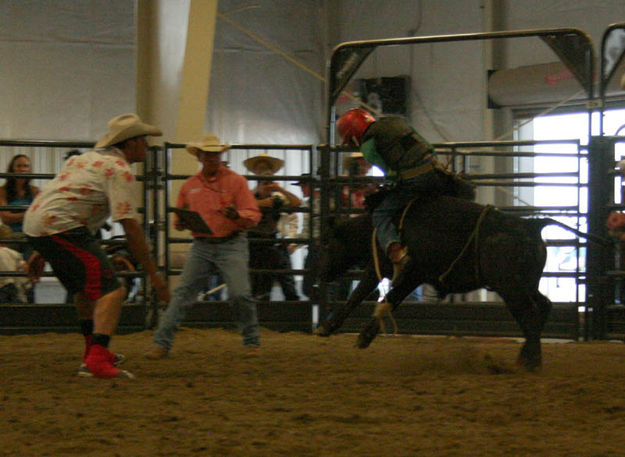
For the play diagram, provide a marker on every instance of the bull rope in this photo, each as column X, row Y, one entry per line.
column 474, row 234
column 384, row 308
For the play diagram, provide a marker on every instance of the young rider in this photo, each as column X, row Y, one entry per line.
column 405, row 157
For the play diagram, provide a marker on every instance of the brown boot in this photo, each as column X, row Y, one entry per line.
column 398, row 255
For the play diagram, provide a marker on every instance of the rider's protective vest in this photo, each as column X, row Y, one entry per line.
column 397, row 144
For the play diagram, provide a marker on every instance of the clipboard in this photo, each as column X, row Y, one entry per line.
column 192, row 220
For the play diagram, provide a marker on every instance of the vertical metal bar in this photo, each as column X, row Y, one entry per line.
column 324, row 195
column 154, row 227
column 600, row 195
column 145, row 191
column 166, row 185
column 311, row 231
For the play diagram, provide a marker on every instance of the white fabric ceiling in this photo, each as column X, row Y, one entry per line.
column 257, row 95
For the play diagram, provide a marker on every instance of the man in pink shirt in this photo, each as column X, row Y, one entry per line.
column 226, row 204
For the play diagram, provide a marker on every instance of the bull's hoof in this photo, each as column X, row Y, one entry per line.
column 530, row 360
column 367, row 335
column 531, row 366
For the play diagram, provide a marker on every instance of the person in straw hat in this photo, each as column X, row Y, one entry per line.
column 355, row 164
column 276, row 205
column 353, row 195
column 224, row 201
column 61, row 224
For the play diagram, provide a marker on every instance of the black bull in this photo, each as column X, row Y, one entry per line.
column 456, row 246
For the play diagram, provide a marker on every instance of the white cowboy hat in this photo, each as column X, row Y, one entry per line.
column 209, row 143
column 126, row 126
column 348, row 159
column 273, row 162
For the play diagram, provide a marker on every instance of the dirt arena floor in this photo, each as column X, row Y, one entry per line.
column 308, row 396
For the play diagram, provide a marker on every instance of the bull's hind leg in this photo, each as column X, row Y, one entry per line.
column 531, row 317
column 544, row 307
column 394, row 298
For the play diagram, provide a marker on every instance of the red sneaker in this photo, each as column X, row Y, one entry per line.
column 100, row 363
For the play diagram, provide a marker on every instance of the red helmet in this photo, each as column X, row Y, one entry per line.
column 352, row 125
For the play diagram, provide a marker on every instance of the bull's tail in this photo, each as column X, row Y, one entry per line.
column 543, row 222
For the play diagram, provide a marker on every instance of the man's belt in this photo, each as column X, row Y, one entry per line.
column 216, row 239
column 414, row 172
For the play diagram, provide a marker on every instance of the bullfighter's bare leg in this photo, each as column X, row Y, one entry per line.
column 84, row 310
column 100, row 360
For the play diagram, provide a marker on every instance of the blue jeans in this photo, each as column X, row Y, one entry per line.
column 231, row 259
column 397, row 199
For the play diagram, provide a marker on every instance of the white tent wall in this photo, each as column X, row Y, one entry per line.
column 448, row 99
column 67, row 67
column 591, row 16
column 257, row 95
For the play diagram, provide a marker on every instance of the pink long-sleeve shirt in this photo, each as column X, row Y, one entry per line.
column 208, row 196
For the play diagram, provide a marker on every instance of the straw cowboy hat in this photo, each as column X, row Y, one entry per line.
column 209, row 143
column 274, row 163
column 124, row 127
column 347, row 160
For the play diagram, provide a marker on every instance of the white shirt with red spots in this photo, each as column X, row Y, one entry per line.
column 90, row 188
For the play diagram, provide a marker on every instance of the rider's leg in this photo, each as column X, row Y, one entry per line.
column 388, row 237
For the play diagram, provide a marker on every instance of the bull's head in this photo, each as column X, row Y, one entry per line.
column 346, row 247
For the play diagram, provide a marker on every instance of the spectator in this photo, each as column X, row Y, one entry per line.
column 12, row 289
column 20, row 193
column 353, row 198
column 311, row 261
column 225, row 202
column 276, row 204
column 61, row 224
column 354, row 194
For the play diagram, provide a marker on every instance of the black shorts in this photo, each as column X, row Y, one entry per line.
column 78, row 261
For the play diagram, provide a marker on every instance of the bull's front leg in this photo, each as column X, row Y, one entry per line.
column 393, row 298
column 366, row 286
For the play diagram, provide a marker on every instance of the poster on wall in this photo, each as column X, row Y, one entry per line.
column 387, row 95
